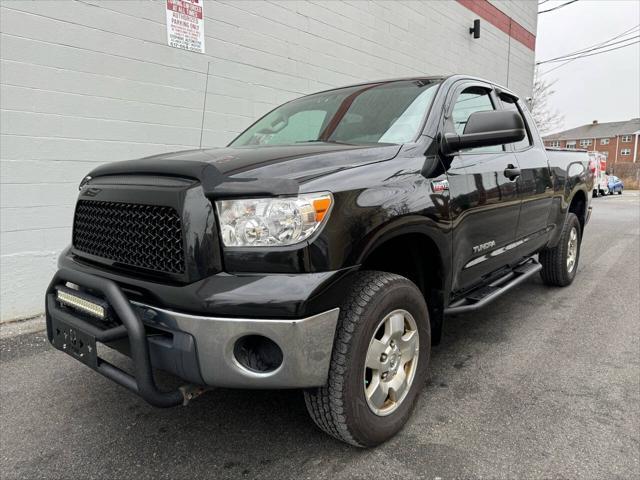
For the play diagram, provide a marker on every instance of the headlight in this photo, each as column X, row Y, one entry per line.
column 266, row 222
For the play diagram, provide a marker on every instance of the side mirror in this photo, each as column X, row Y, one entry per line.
column 485, row 129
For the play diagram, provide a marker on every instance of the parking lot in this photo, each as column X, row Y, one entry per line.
column 545, row 382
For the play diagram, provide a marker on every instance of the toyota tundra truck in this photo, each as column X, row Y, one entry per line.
column 321, row 250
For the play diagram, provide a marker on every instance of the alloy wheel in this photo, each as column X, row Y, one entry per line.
column 572, row 251
column 391, row 362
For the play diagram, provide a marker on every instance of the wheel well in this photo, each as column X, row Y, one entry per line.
column 579, row 207
column 416, row 257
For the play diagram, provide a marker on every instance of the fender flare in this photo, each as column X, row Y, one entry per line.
column 405, row 225
column 398, row 226
column 567, row 199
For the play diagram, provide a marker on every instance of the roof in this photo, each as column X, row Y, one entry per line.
column 598, row 130
column 432, row 78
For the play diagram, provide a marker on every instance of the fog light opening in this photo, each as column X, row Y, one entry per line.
column 257, row 353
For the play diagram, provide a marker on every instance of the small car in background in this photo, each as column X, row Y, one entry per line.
column 615, row 185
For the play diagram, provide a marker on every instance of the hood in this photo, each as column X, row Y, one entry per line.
column 263, row 170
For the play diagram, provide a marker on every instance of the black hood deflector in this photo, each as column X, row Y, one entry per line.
column 241, row 172
column 214, row 183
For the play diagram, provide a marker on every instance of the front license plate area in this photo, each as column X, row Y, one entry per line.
column 80, row 345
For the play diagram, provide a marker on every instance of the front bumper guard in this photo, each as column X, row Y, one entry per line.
column 142, row 381
column 306, row 343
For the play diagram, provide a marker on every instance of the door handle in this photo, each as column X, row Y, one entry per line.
column 511, row 172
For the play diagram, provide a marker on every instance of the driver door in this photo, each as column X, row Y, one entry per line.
column 485, row 205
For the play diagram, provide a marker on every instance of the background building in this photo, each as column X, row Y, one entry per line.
column 93, row 81
column 618, row 140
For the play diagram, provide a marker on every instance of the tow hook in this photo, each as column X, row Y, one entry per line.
column 189, row 392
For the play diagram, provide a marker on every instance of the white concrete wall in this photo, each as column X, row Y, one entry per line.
column 86, row 82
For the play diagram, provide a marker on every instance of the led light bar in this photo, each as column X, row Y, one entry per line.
column 82, row 304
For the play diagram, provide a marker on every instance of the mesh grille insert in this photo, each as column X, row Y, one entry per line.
column 145, row 236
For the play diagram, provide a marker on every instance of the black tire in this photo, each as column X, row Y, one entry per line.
column 554, row 260
column 340, row 408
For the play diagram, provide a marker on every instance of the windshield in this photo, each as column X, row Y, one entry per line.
column 375, row 113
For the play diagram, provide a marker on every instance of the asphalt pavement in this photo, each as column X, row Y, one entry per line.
column 543, row 383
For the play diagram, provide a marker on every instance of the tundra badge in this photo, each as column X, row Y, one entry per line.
column 484, row 246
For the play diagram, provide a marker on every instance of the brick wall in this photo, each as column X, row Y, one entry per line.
column 632, row 144
column 613, row 149
column 86, row 82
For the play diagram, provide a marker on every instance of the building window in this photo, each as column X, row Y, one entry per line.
column 554, row 144
column 626, row 138
column 625, row 151
column 571, row 144
column 604, row 141
column 585, row 143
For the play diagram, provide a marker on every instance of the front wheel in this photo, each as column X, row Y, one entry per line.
column 379, row 362
column 560, row 264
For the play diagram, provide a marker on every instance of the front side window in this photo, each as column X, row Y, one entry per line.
column 470, row 100
column 391, row 112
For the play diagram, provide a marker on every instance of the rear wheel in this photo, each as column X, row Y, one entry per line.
column 559, row 264
column 379, row 362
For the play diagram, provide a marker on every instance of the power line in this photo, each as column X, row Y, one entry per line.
column 601, row 44
column 555, row 68
column 556, row 8
column 580, row 52
column 589, row 55
column 609, row 50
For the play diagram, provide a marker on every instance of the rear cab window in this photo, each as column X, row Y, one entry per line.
column 511, row 103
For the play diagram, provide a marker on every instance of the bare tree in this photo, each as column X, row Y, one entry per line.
column 547, row 119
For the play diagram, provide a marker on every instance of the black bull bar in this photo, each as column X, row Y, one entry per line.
column 85, row 335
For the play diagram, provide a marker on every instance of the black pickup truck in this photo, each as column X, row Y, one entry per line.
column 321, row 250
